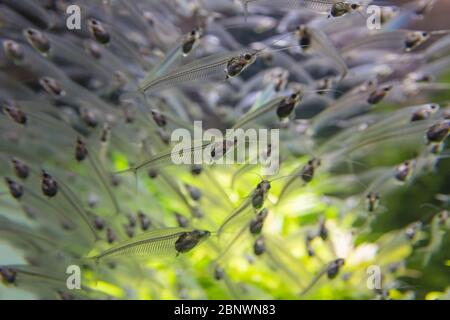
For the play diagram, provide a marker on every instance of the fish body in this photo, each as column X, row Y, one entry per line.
column 157, row 242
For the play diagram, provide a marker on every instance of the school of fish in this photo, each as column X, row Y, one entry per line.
column 85, row 148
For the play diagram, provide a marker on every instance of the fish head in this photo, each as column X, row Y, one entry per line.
column 191, row 41
column 239, row 63
column 354, row 6
column 37, row 40
column 201, row 234
column 13, row 50
column 415, row 38
column 259, row 247
column 248, row 58
column 264, row 186
column 296, row 96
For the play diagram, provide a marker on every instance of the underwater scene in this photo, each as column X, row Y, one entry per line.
column 224, row 149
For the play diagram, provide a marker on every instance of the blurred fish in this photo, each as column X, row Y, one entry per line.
column 336, row 91
column 334, row 8
column 315, row 39
column 255, row 199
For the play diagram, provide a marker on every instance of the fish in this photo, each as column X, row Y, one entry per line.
column 311, row 38
column 155, row 243
column 361, row 114
column 331, row 270
column 218, row 67
column 333, row 8
column 255, row 200
column 176, row 55
column 394, row 41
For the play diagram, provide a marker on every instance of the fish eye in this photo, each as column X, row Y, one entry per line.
column 202, row 233
column 247, row 56
column 354, row 6
column 424, row 34
column 293, row 96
